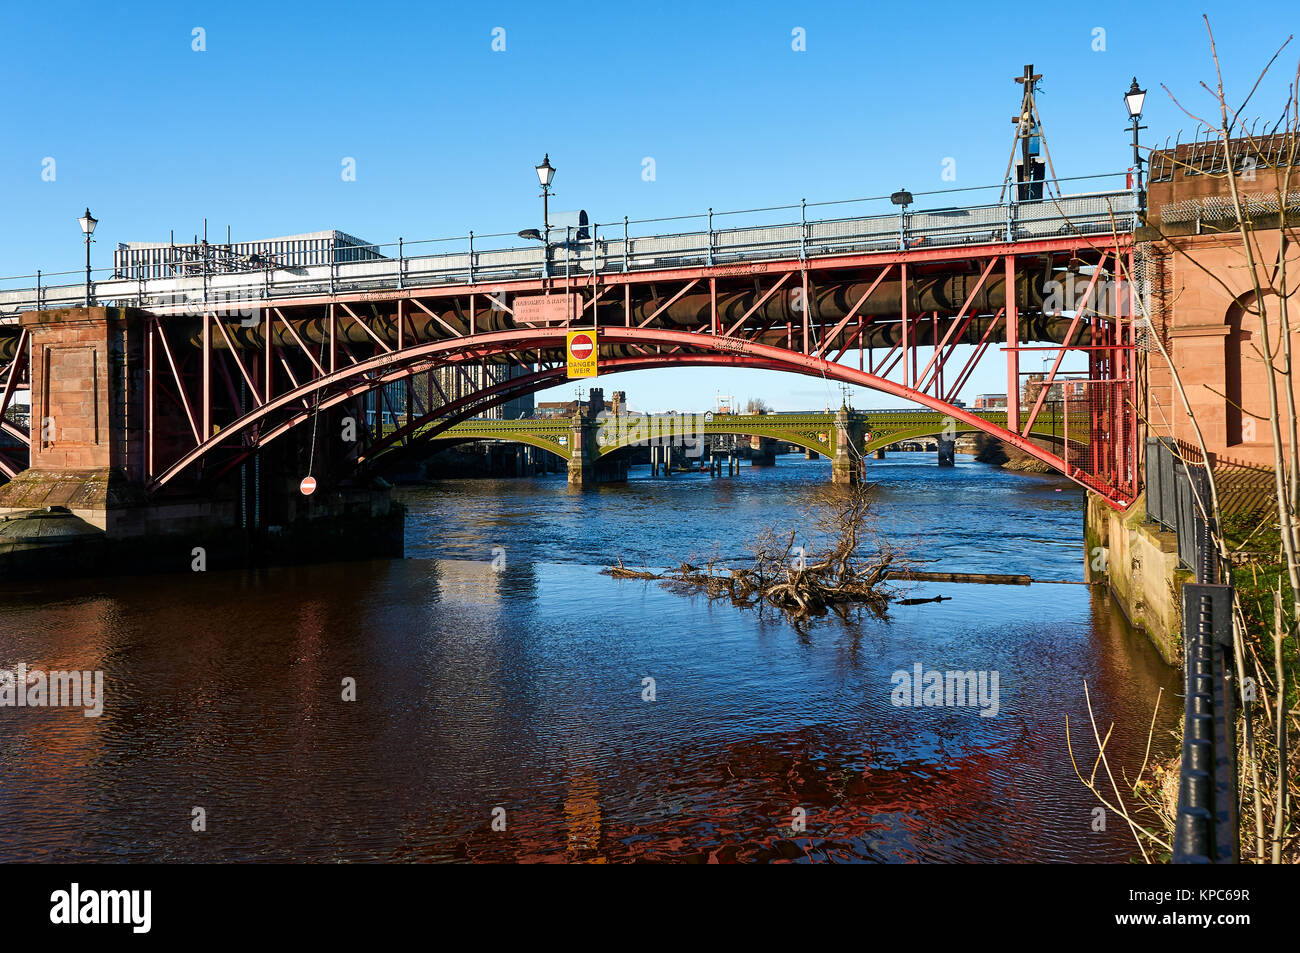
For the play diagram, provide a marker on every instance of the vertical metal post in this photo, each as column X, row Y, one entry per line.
column 205, row 274
column 207, row 376
column 713, row 306
column 88, row 270
column 710, row 254
column 938, row 362
column 269, row 370
column 902, row 284
column 803, row 229
column 1013, row 347
column 625, row 244
column 471, row 256
column 401, row 261
column 243, row 469
column 333, row 336
column 803, row 304
column 38, row 290
column 1134, row 394
column 149, row 397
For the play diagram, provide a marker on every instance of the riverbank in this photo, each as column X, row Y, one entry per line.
column 1138, row 561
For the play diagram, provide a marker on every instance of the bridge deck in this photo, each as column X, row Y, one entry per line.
column 609, row 250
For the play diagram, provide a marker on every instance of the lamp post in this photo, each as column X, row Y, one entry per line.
column 88, row 223
column 545, row 175
column 903, row 199
column 1133, row 100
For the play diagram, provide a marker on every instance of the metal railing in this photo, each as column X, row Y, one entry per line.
column 613, row 247
column 1178, row 498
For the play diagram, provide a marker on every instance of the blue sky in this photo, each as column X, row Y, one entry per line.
column 445, row 131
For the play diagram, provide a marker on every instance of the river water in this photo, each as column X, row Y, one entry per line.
column 515, row 695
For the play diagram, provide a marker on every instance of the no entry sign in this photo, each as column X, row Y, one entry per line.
column 582, row 353
column 307, row 486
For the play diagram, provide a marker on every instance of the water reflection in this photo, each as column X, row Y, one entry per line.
column 521, row 689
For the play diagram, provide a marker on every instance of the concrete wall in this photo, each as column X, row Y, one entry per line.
column 1139, row 563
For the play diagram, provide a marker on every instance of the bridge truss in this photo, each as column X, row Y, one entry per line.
column 217, row 388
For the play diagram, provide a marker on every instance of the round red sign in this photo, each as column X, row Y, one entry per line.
column 581, row 347
column 307, row 486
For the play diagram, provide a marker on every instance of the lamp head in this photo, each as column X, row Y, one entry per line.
column 545, row 171
column 1134, row 98
column 88, row 223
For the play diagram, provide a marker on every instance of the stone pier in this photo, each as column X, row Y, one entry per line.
column 762, row 451
column 89, row 469
column 850, row 437
column 586, row 466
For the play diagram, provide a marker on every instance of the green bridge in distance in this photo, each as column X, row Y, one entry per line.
column 594, row 447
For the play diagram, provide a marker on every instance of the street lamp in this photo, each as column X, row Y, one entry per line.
column 1133, row 100
column 88, row 223
column 903, row 199
column 545, row 175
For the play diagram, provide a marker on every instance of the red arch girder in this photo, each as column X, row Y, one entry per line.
column 465, row 407
column 343, row 384
column 302, row 415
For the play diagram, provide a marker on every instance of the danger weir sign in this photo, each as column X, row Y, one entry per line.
column 582, row 353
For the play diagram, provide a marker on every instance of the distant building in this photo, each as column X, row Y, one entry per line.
column 1034, row 384
column 457, row 381
column 991, row 402
column 1059, row 391
column 556, row 408
column 594, row 404
column 168, row 259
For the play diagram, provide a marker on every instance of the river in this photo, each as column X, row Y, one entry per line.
column 503, row 690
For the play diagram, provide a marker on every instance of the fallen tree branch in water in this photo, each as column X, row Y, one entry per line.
column 789, row 577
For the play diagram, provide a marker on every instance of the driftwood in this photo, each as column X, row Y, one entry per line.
column 919, row 602
column 802, row 584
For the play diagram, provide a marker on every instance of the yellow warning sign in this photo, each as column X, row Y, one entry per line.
column 582, row 353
